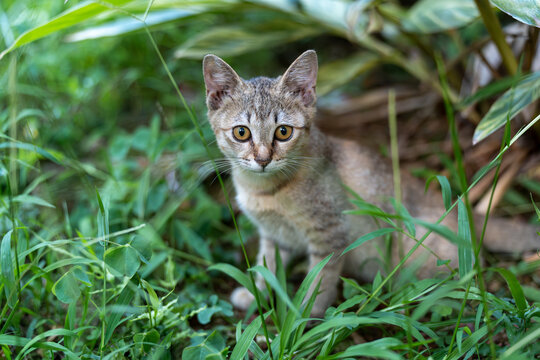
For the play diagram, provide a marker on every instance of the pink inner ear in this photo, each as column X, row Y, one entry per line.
column 214, row 98
column 308, row 96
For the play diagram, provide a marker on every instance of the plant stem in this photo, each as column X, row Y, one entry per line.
column 493, row 26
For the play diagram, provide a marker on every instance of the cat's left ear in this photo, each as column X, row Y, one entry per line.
column 220, row 79
column 301, row 77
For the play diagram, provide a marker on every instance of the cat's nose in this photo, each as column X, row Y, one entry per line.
column 263, row 161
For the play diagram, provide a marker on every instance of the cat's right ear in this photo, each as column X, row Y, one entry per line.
column 220, row 80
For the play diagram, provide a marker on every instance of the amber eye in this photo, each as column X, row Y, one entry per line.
column 241, row 133
column 283, row 133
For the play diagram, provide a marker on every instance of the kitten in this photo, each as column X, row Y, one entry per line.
column 289, row 179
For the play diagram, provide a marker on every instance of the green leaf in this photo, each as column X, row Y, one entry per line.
column 48, row 154
column 237, row 40
column 367, row 237
column 471, row 341
column 428, row 16
column 150, row 338
column 508, row 106
column 270, row 278
column 8, row 271
column 242, row 345
column 154, row 299
column 37, row 343
column 213, row 345
column 379, row 348
column 29, row 199
column 125, row 297
column 347, row 17
column 236, row 274
column 73, row 16
column 515, row 289
column 526, row 11
column 215, row 306
column 493, row 88
column 445, row 188
column 66, row 288
column 334, row 323
column 124, row 260
column 334, row 74
column 465, row 253
column 128, row 25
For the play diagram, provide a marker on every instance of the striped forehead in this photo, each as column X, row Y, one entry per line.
column 260, row 99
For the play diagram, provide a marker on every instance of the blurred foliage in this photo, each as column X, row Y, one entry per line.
column 110, row 218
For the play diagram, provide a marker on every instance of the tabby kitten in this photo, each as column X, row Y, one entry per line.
column 289, row 178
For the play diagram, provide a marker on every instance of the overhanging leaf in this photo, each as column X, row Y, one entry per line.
column 526, row 11
column 428, row 16
column 336, row 73
column 29, row 199
column 68, row 18
column 509, row 105
column 236, row 40
column 128, row 24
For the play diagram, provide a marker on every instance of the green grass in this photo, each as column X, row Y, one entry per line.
column 116, row 245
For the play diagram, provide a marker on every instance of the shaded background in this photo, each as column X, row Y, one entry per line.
column 91, row 108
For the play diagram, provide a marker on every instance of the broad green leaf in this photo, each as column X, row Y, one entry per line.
column 508, row 106
column 68, row 18
column 347, row 17
column 127, row 25
column 515, row 289
column 66, row 288
column 123, row 259
column 334, row 74
column 237, row 40
column 428, row 16
column 8, row 271
column 366, row 237
column 29, row 199
column 212, row 347
column 465, row 253
column 526, row 11
column 493, row 88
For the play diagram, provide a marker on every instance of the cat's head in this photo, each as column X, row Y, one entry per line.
column 262, row 125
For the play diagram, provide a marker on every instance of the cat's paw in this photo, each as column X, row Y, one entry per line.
column 241, row 298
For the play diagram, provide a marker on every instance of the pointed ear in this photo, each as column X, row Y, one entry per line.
column 301, row 77
column 220, row 80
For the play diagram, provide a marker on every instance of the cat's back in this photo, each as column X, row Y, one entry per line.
column 362, row 169
column 370, row 175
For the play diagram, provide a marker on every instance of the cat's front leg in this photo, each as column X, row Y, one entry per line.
column 241, row 298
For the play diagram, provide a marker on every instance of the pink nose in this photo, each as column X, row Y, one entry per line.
column 263, row 161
